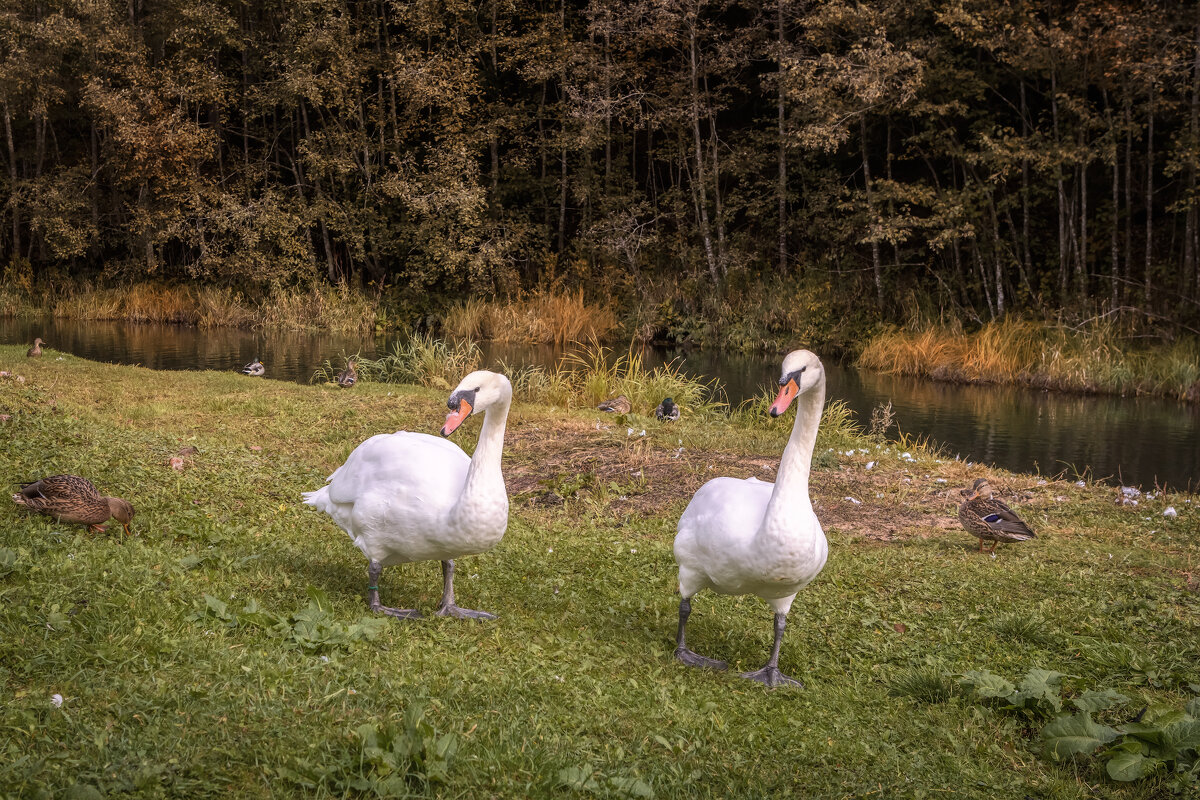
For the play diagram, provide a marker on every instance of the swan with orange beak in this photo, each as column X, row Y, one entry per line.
column 407, row 496
column 750, row 537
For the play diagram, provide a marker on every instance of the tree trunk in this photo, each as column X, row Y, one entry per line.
column 12, row 177
column 698, row 153
column 1149, row 278
column 1060, row 185
column 866, row 162
column 781, row 187
column 1128, row 271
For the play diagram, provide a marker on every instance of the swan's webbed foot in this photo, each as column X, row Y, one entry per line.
column 451, row 610
column 696, row 660
column 374, row 569
column 398, row 613
column 771, row 677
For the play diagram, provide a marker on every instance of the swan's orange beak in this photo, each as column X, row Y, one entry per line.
column 455, row 418
column 786, row 395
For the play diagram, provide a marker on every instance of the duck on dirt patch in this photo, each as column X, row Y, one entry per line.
column 70, row 498
column 989, row 519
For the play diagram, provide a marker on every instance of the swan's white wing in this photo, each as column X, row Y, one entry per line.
column 716, row 531
column 394, row 494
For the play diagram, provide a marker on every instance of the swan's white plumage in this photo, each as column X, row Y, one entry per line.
column 408, row 496
column 752, row 537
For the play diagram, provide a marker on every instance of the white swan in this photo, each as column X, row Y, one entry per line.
column 749, row 537
column 414, row 497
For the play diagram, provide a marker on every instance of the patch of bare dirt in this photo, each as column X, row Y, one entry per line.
column 545, row 461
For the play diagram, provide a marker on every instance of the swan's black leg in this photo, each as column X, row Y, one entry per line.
column 447, row 607
column 770, row 674
column 374, row 569
column 681, row 651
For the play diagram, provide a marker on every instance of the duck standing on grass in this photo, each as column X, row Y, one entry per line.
column 36, row 350
column 618, row 405
column 406, row 496
column 254, row 368
column 70, row 498
column 347, row 377
column 989, row 519
column 667, row 411
column 750, row 537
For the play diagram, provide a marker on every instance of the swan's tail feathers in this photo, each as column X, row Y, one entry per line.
column 318, row 499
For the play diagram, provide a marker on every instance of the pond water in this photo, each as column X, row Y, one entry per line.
column 1139, row 441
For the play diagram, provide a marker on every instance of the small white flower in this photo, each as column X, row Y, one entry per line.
column 870, row 465
column 939, row 480
column 629, row 431
column 325, row 659
column 1080, row 484
column 1171, row 513
column 549, row 549
column 633, row 549
column 56, row 700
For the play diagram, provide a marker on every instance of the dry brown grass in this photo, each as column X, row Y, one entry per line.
column 540, row 318
column 1094, row 358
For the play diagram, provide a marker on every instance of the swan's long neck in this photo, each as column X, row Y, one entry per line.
column 484, row 481
column 789, row 500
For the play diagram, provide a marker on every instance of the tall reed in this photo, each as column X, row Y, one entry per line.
column 539, row 318
column 1096, row 358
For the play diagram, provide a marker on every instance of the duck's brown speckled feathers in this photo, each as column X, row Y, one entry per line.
column 989, row 519
column 36, row 350
column 618, row 405
column 347, row 377
column 70, row 498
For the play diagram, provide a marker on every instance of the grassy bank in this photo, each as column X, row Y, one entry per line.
column 337, row 309
column 225, row 650
column 1097, row 358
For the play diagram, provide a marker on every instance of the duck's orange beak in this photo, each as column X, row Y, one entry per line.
column 455, row 418
column 786, row 395
column 128, row 530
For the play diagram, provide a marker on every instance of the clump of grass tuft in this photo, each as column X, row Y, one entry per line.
column 596, row 374
column 422, row 360
column 1097, row 358
column 540, row 318
column 924, row 684
column 1022, row 627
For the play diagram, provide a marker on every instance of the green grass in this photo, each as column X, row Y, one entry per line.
column 573, row 692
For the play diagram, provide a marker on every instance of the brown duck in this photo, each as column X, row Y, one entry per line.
column 36, row 350
column 70, row 498
column 347, row 377
column 618, row 405
column 989, row 519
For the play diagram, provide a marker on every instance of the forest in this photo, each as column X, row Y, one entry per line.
column 684, row 158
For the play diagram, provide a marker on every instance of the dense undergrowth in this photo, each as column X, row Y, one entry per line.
column 225, row 649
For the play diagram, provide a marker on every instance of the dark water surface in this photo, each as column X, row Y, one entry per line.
column 1135, row 440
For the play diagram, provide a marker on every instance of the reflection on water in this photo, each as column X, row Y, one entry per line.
column 1137, row 440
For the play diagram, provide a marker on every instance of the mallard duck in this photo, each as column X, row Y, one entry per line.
column 407, row 496
column 989, row 519
column 751, row 537
column 36, row 350
column 70, row 498
column 255, row 368
column 347, row 377
column 618, row 405
column 667, row 411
